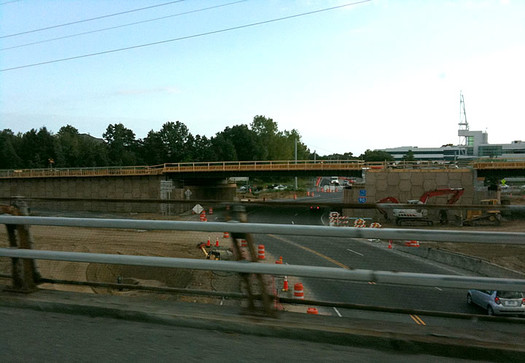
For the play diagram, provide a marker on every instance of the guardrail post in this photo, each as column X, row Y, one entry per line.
column 259, row 283
column 24, row 271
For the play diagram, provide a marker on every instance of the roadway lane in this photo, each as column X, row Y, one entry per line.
column 356, row 254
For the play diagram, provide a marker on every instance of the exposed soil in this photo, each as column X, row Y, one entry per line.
column 129, row 242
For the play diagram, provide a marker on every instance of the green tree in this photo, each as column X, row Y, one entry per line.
column 152, row 149
column 409, row 156
column 121, row 144
column 336, row 156
column 275, row 144
column 92, row 151
column 223, row 148
column 266, row 131
column 199, row 148
column 67, row 147
column 244, row 141
column 29, row 150
column 376, row 155
column 174, row 137
column 9, row 158
column 293, row 136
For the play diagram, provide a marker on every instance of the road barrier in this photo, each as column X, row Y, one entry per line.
column 285, row 284
column 298, row 291
column 387, row 277
column 260, row 252
column 312, row 311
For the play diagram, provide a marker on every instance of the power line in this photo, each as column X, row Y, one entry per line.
column 123, row 25
column 185, row 37
column 9, row 2
column 89, row 19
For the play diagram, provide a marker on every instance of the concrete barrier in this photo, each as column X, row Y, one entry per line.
column 466, row 262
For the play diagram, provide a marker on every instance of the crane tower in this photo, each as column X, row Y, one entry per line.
column 463, row 123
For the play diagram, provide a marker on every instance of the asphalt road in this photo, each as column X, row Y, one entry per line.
column 363, row 254
column 37, row 336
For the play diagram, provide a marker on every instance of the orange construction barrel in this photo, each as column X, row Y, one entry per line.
column 298, row 291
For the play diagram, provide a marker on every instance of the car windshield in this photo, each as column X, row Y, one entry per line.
column 510, row 294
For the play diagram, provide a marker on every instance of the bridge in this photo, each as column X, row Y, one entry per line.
column 225, row 169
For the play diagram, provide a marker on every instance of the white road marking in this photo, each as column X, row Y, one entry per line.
column 357, row 253
column 438, row 288
column 338, row 313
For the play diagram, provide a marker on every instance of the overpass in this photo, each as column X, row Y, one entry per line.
column 225, row 169
column 209, row 180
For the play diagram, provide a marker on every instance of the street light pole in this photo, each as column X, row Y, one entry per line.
column 295, row 161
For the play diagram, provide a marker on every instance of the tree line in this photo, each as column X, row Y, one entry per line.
column 173, row 143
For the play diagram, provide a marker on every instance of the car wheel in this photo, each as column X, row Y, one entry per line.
column 469, row 299
column 490, row 311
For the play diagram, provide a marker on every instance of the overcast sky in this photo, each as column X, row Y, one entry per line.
column 372, row 75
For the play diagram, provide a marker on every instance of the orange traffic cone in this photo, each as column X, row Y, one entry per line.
column 285, row 284
column 260, row 252
column 217, row 242
column 226, row 235
column 208, row 244
column 390, row 244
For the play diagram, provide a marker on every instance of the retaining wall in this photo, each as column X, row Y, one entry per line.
column 407, row 185
column 118, row 187
column 465, row 262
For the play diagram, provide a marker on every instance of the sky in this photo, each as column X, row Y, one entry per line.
column 370, row 75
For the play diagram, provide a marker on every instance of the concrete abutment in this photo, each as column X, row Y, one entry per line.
column 104, row 189
column 407, row 185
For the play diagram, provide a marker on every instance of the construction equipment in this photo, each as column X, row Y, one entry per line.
column 212, row 255
column 485, row 216
column 420, row 215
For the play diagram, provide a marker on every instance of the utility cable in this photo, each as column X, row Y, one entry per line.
column 90, row 19
column 123, row 25
column 9, row 2
column 185, row 37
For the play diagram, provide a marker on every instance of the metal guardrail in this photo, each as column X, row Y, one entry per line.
column 387, row 277
column 401, row 278
column 250, row 166
column 517, row 238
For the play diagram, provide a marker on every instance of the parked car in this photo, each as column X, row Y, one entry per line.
column 498, row 302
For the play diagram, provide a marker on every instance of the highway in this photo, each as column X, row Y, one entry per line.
column 354, row 253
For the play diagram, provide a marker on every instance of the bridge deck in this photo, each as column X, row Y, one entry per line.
column 252, row 166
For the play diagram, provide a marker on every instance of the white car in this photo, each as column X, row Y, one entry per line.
column 498, row 302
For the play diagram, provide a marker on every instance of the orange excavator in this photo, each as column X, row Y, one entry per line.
column 421, row 215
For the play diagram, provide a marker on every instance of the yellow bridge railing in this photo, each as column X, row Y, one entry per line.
column 251, row 166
